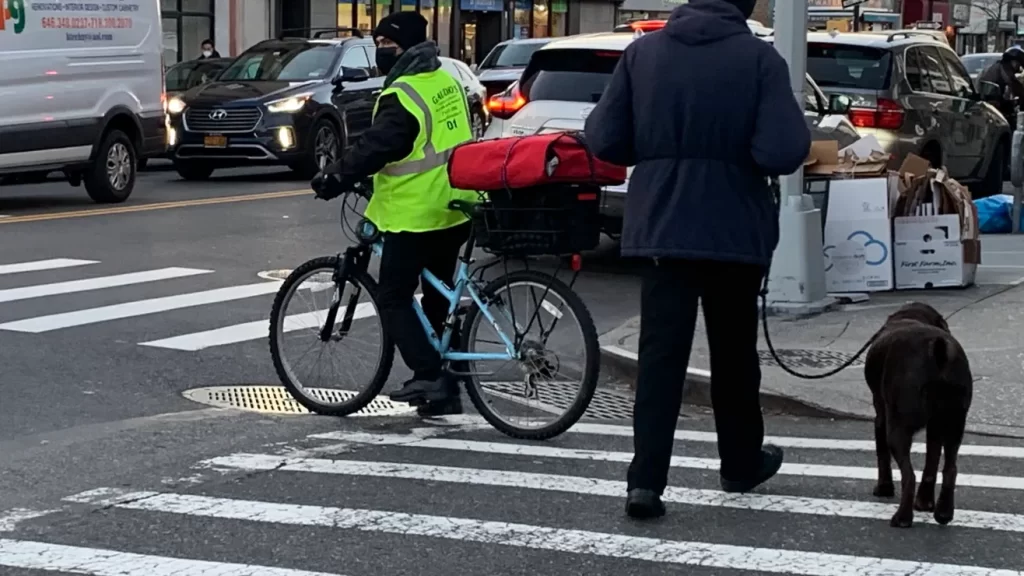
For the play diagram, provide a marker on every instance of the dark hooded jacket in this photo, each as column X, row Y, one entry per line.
column 393, row 133
column 705, row 112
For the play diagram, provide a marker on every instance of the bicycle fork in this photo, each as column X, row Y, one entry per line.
column 355, row 258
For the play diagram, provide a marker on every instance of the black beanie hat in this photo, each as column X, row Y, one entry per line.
column 406, row 29
column 746, row 6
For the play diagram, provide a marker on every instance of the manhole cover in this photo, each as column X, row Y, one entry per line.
column 277, row 400
column 815, row 359
column 560, row 395
column 274, row 274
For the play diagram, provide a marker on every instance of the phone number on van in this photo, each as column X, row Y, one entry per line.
column 86, row 22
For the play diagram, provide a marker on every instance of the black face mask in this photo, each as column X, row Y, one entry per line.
column 386, row 58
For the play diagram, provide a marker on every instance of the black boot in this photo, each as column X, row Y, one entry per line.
column 450, row 406
column 643, row 504
column 771, row 461
column 421, row 391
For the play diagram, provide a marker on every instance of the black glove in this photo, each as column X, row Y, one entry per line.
column 326, row 186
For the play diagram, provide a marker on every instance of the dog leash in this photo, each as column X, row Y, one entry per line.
column 777, row 195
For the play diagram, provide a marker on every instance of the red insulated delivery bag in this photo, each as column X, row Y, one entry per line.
column 529, row 161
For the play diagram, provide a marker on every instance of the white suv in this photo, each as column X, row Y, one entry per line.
column 564, row 81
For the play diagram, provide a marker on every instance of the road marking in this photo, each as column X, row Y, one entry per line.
column 73, row 286
column 253, row 330
column 99, row 562
column 600, row 487
column 139, row 308
column 630, row 355
column 475, row 422
column 813, row 470
column 9, row 519
column 155, row 206
column 582, row 542
column 52, row 264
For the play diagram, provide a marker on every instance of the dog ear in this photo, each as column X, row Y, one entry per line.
column 940, row 352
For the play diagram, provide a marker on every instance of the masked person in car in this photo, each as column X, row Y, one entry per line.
column 705, row 111
column 1004, row 75
column 420, row 115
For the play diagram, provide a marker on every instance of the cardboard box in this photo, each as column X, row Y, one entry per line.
column 935, row 251
column 825, row 158
column 858, row 236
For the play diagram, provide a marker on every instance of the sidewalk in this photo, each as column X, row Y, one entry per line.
column 989, row 325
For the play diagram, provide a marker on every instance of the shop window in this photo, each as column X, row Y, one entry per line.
column 559, row 18
column 444, row 23
column 186, row 23
column 381, row 9
column 540, row 18
column 427, row 10
column 408, row 5
column 522, row 10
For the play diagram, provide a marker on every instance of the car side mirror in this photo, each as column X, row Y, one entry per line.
column 351, row 75
column 839, row 104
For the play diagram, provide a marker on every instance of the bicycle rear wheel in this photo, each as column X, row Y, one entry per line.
column 530, row 307
column 297, row 321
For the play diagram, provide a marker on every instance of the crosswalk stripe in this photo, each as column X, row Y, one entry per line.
column 70, row 287
column 40, row 265
column 139, row 308
column 815, row 470
column 583, row 542
column 470, row 422
column 10, row 518
column 98, row 562
column 600, row 487
column 252, row 330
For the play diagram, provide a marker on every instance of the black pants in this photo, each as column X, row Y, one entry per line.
column 405, row 256
column 668, row 311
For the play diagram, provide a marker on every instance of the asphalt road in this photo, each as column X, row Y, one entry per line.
column 93, row 424
column 401, row 496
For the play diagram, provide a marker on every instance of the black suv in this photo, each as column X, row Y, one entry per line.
column 296, row 102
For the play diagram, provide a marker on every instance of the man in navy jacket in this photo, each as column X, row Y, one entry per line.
column 705, row 112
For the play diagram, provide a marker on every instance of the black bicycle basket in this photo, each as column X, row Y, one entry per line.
column 556, row 219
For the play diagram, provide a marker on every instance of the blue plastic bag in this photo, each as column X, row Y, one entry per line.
column 994, row 214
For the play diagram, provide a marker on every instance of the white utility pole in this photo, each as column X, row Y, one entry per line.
column 797, row 279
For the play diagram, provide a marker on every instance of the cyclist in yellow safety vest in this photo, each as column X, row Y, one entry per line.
column 420, row 115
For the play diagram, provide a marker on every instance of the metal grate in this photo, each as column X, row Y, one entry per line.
column 277, row 400
column 803, row 358
column 559, row 396
column 222, row 120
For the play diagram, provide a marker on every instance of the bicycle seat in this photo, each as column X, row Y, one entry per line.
column 467, row 208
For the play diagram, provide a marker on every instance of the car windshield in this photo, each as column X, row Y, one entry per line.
column 571, row 75
column 511, row 55
column 845, row 66
column 282, row 62
column 976, row 63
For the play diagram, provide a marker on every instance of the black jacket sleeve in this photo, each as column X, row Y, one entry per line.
column 390, row 138
column 609, row 127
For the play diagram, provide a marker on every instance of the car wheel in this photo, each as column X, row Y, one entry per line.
column 993, row 182
column 193, row 170
column 111, row 178
column 479, row 123
column 322, row 151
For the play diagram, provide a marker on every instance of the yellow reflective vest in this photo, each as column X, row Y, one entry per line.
column 412, row 195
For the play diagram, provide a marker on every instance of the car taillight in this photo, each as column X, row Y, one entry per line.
column 887, row 114
column 506, row 104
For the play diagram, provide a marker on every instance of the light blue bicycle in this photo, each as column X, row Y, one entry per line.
column 535, row 393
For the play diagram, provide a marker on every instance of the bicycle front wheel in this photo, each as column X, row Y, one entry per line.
column 549, row 387
column 313, row 359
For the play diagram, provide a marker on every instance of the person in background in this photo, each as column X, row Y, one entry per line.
column 704, row 140
column 1003, row 73
column 208, row 50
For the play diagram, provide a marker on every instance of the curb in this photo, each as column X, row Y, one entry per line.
column 623, row 364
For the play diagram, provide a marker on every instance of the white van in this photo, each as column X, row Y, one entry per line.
column 81, row 87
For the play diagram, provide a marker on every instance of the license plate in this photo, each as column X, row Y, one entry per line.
column 215, row 141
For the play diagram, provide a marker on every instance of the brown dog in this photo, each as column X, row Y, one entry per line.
column 919, row 378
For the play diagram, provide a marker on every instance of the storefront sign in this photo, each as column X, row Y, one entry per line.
column 481, row 5
column 960, row 13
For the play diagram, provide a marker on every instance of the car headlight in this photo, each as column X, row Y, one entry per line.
column 290, row 104
column 175, row 106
